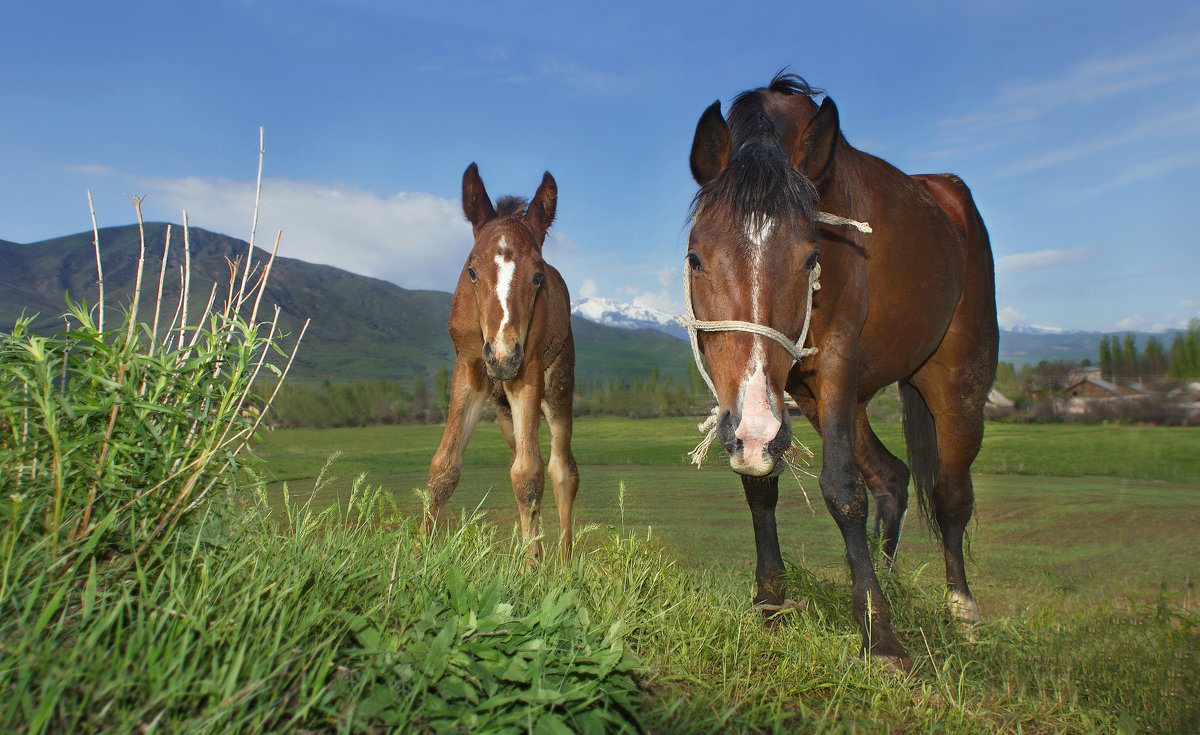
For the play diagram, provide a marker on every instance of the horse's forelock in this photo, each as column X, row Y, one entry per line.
column 759, row 182
column 511, row 205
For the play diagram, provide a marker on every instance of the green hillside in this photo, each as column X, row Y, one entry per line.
column 362, row 328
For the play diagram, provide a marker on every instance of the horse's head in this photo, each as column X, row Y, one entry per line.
column 505, row 267
column 752, row 248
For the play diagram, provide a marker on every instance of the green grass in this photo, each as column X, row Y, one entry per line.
column 1090, row 511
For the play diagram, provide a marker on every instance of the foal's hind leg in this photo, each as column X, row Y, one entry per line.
column 564, row 473
column 887, row 478
column 468, row 393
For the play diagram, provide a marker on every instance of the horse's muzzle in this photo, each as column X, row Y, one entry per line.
column 762, row 463
column 505, row 367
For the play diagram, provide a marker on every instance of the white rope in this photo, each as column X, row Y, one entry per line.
column 796, row 349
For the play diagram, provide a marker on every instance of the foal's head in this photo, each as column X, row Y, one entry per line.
column 751, row 249
column 506, row 267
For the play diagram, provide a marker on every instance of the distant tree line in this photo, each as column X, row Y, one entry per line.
column 332, row 405
column 1120, row 358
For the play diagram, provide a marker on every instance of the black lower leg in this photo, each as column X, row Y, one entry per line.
column 847, row 502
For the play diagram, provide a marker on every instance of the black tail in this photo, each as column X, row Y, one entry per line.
column 923, row 460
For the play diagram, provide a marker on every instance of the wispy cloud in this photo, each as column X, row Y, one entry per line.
column 1103, row 76
column 90, row 169
column 1185, row 122
column 415, row 240
column 1027, row 262
column 1141, row 172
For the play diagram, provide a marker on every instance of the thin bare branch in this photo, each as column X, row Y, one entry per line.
column 162, row 272
column 254, row 222
column 99, row 269
column 262, row 282
column 137, row 283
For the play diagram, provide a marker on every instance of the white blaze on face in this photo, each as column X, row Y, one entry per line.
column 758, row 424
column 504, row 276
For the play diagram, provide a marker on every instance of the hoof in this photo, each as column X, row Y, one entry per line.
column 965, row 609
column 899, row 664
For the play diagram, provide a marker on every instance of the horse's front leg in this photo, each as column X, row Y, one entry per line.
column 846, row 499
column 468, row 393
column 528, row 472
column 762, row 494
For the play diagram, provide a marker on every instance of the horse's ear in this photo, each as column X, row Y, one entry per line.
column 540, row 213
column 477, row 205
column 814, row 150
column 710, row 147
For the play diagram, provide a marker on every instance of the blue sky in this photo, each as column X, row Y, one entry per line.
column 1076, row 124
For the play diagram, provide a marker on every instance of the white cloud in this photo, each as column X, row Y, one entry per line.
column 1026, row 262
column 587, row 289
column 1130, row 323
column 412, row 239
column 1009, row 317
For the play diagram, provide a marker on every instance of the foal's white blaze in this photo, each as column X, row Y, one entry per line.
column 758, row 425
column 504, row 275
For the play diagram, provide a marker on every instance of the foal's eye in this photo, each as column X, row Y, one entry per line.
column 694, row 262
column 812, row 262
column 538, row 278
column 471, row 273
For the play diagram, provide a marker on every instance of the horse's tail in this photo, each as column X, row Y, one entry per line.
column 923, row 460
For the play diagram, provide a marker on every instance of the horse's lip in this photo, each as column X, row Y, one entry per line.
column 737, row 463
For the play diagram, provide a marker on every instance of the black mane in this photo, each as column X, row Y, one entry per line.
column 760, row 181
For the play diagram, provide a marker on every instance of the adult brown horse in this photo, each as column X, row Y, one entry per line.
column 914, row 302
column 510, row 321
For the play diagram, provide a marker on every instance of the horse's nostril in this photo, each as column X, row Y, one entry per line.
column 725, row 431
column 487, row 349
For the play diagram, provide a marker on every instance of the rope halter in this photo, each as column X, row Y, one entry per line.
column 796, row 349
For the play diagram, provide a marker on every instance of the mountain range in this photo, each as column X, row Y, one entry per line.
column 365, row 328
column 361, row 328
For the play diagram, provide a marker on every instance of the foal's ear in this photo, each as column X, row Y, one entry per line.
column 710, row 147
column 540, row 212
column 476, row 203
column 815, row 148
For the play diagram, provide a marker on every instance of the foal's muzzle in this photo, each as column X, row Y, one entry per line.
column 765, row 462
column 504, row 365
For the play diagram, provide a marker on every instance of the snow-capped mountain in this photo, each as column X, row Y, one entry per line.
column 1037, row 329
column 629, row 315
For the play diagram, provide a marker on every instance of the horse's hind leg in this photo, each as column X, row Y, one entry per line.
column 887, row 478
column 953, row 385
column 564, row 473
column 468, row 393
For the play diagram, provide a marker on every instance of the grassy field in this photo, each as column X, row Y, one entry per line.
column 1065, row 514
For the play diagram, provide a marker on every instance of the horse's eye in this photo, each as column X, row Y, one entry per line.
column 812, row 262
column 471, row 273
column 694, row 262
column 538, row 278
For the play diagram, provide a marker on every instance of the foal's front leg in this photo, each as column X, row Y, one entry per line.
column 528, row 472
column 468, row 393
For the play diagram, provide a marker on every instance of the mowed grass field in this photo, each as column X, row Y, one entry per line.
column 1066, row 515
